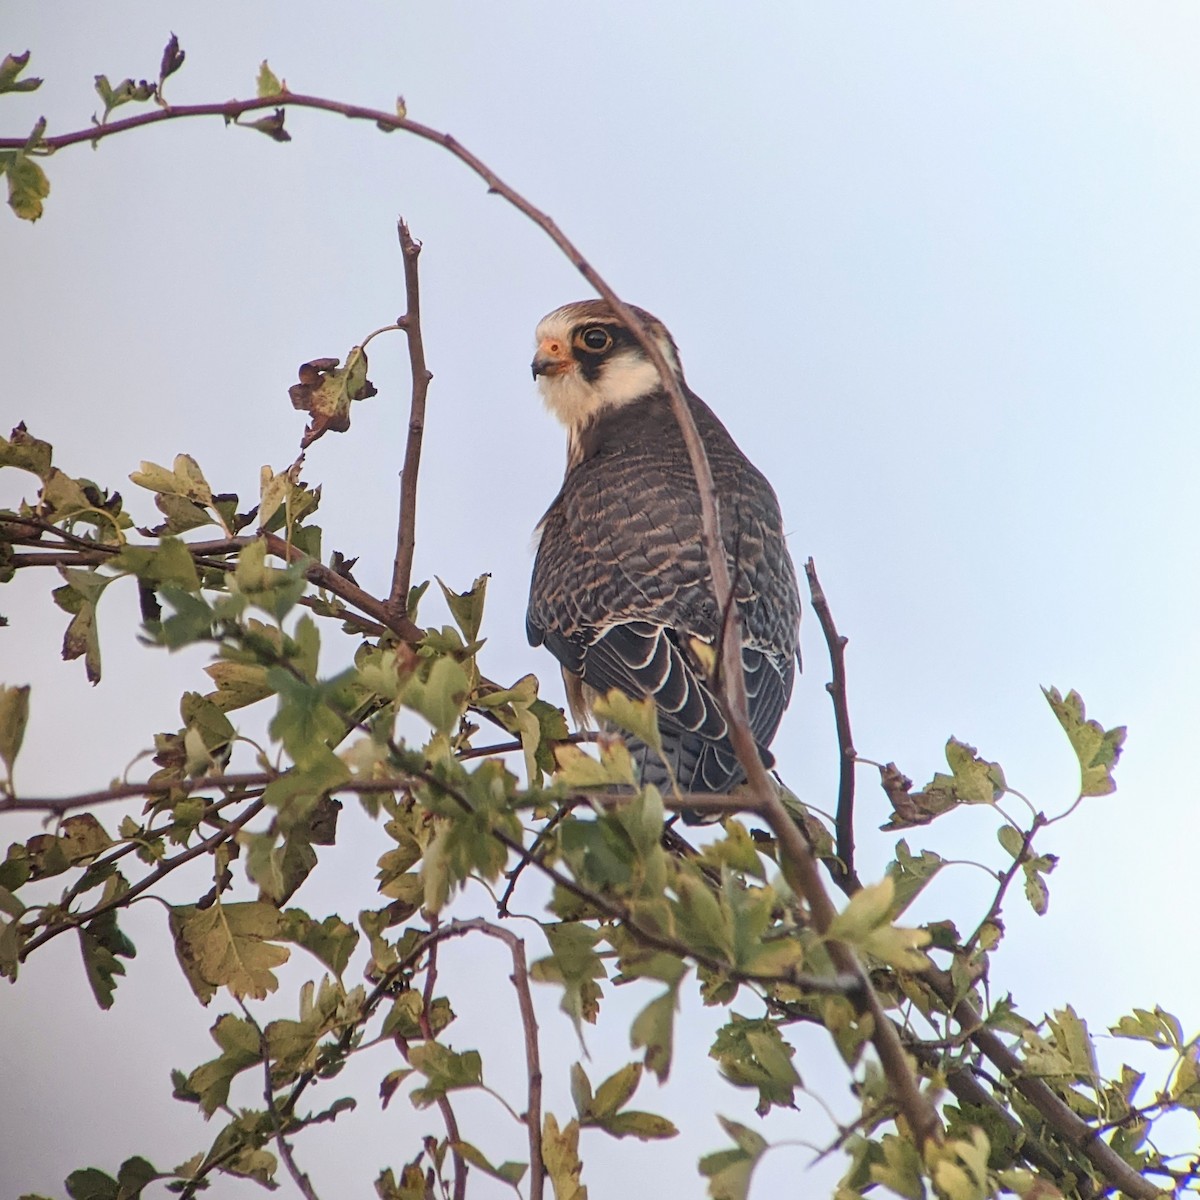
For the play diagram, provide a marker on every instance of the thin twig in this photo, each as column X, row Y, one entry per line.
column 279, row 1122
column 163, row 869
column 443, row 1101
column 844, row 875
column 530, row 856
column 55, row 805
column 533, row 1066
column 1005, row 880
column 406, row 538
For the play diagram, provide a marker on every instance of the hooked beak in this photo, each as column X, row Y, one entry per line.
column 552, row 358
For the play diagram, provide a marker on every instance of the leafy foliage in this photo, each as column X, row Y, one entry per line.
column 1024, row 1105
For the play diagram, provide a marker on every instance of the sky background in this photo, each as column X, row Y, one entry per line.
column 937, row 266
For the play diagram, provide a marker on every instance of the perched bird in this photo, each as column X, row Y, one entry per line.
column 621, row 593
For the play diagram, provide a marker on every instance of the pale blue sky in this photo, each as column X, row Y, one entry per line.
column 936, row 265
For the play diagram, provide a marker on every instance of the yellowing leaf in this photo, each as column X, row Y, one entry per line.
column 1096, row 748
column 959, row 1167
column 576, row 769
column 644, row 1126
column 27, row 184
column 869, row 907
column 639, row 717
column 14, row 714
column 901, row 1168
column 267, row 84
column 228, row 945
column 560, row 1152
column 866, row 923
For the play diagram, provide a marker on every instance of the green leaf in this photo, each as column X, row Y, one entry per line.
column 101, row 942
column 241, row 1048
column 170, row 562
column 508, row 1172
column 14, row 715
column 444, row 1071
column 467, row 607
column 134, row 1176
column 729, row 1171
column 331, row 940
column 22, row 450
column 440, row 697
column 1012, row 839
column 11, row 68
column 1036, row 890
column 27, row 184
column 974, row 780
column 404, row 1018
column 80, row 596
column 1096, row 748
column 274, row 591
column 910, row 873
column 1158, row 1027
column 654, row 1029
column 238, row 684
column 575, row 965
column 581, row 1090
column 125, row 92
column 616, row 1091
column 278, row 868
column 646, row 1127
column 736, row 850
column 579, row 770
column 1073, row 1040
column 293, row 1046
column 92, row 1184
column 229, row 945
column 267, row 84
column 901, row 1168
column 960, row 1167
column 752, row 1053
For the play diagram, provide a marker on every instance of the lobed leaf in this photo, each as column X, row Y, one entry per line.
column 1097, row 749
column 229, row 945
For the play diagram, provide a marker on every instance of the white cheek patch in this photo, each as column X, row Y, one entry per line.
column 624, row 378
column 627, row 377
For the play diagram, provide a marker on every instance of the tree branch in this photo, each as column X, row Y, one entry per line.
column 279, row 1122
column 1057, row 1114
column 1005, row 880
column 844, row 877
column 443, row 1101
column 533, row 1066
column 161, row 871
column 411, row 324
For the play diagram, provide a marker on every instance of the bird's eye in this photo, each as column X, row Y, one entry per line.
column 596, row 339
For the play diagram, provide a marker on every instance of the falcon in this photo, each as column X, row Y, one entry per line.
column 621, row 592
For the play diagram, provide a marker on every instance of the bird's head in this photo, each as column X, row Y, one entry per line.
column 588, row 361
